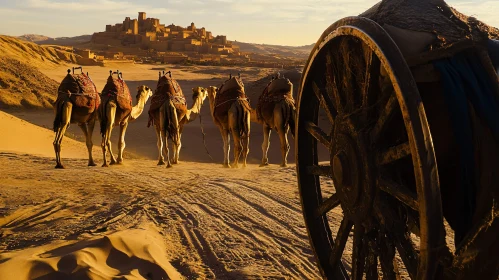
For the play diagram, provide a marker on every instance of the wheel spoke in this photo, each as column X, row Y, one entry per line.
column 328, row 205
column 359, row 252
column 340, row 241
column 320, row 170
column 325, row 102
column 347, row 74
column 371, row 261
column 384, row 116
column 318, row 134
column 331, row 85
column 371, row 75
column 407, row 252
column 400, row 192
column 395, row 153
column 387, row 259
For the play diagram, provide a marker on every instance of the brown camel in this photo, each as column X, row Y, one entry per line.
column 169, row 114
column 276, row 110
column 116, row 109
column 77, row 102
column 231, row 112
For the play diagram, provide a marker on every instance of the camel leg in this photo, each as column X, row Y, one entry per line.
column 166, row 150
column 283, row 136
column 121, row 143
column 106, row 139
column 88, row 131
column 164, row 135
column 265, row 145
column 161, row 159
column 245, row 150
column 66, row 119
column 177, row 146
column 237, row 148
column 226, row 139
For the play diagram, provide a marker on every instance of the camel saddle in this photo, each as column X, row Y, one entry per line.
column 117, row 89
column 230, row 91
column 277, row 90
column 81, row 91
column 167, row 89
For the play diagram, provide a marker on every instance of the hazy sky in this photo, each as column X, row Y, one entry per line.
column 284, row 22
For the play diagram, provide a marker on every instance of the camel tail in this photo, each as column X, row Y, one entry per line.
column 171, row 122
column 244, row 119
column 58, row 115
column 103, row 118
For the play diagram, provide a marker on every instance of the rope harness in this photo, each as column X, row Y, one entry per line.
column 204, row 138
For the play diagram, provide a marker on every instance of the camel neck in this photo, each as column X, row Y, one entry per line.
column 139, row 107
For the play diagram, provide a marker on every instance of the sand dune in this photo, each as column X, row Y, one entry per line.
column 24, row 137
column 129, row 254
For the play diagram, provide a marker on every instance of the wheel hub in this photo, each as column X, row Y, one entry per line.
column 351, row 172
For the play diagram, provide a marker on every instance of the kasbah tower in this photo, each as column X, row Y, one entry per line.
column 150, row 33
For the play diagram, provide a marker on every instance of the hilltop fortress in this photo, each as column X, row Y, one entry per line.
column 148, row 33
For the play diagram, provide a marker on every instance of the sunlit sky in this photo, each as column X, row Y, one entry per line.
column 283, row 22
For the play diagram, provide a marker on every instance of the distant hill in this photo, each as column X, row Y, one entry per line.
column 60, row 41
column 298, row 52
column 288, row 51
column 34, row 38
column 21, row 83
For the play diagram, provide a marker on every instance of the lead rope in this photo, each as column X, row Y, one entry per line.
column 204, row 137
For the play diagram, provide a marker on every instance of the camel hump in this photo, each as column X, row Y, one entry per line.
column 117, row 88
column 280, row 85
column 233, row 84
column 81, row 91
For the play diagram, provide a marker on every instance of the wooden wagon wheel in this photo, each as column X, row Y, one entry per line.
column 380, row 152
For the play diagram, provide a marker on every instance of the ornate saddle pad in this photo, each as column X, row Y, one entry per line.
column 117, row 88
column 277, row 90
column 230, row 91
column 81, row 91
column 167, row 89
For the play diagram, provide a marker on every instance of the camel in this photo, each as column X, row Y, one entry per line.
column 231, row 111
column 169, row 114
column 116, row 109
column 77, row 102
column 276, row 110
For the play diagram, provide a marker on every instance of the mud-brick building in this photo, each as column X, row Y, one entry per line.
column 149, row 33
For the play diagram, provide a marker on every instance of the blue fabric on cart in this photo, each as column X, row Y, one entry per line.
column 465, row 80
column 493, row 47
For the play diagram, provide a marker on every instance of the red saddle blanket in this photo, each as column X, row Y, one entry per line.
column 117, row 88
column 81, row 91
column 167, row 89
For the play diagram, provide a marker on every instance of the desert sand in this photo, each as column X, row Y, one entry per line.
column 143, row 221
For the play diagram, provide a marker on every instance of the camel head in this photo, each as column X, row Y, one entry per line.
column 199, row 92
column 144, row 92
column 212, row 92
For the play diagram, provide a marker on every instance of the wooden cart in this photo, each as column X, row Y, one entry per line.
column 372, row 122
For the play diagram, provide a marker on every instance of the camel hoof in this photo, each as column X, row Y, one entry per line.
column 284, row 165
column 105, row 165
column 92, row 164
column 169, row 166
column 227, row 165
column 161, row 163
column 264, row 164
column 59, row 166
column 113, row 163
